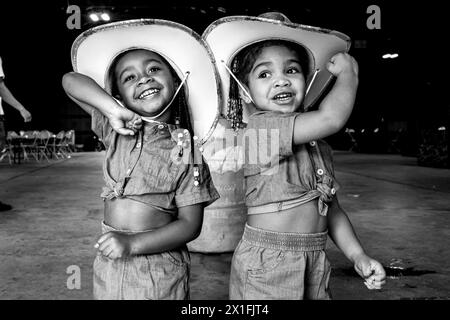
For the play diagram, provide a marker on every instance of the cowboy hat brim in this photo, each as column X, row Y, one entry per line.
column 95, row 49
column 227, row 36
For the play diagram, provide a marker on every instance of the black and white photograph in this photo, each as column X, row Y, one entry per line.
column 241, row 151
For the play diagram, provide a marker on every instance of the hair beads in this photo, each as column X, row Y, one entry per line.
column 234, row 111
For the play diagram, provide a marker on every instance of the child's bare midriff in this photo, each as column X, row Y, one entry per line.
column 128, row 214
column 304, row 218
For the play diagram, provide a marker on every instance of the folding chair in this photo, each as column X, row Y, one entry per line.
column 350, row 133
column 29, row 144
column 58, row 148
column 8, row 150
column 69, row 142
column 11, row 135
column 43, row 144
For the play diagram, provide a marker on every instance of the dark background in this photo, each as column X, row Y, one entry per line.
column 406, row 94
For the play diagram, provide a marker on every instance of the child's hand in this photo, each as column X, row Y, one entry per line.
column 370, row 270
column 26, row 115
column 114, row 245
column 343, row 63
column 125, row 122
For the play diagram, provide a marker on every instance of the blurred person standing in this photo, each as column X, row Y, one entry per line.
column 6, row 95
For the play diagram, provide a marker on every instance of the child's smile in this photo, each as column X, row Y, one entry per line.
column 148, row 93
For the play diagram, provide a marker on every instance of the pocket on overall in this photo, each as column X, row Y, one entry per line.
column 106, row 278
column 170, row 275
column 262, row 273
column 281, row 278
column 178, row 257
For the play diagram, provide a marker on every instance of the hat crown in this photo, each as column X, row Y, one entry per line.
column 275, row 16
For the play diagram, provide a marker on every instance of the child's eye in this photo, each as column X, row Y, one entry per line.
column 294, row 70
column 153, row 69
column 263, row 75
column 128, row 78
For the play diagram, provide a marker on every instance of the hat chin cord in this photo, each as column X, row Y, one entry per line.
column 312, row 80
column 152, row 118
column 237, row 81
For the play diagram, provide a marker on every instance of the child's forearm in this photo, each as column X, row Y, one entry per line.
column 168, row 237
column 86, row 92
column 342, row 233
column 338, row 104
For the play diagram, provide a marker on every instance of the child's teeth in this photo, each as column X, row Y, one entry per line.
column 147, row 93
column 283, row 96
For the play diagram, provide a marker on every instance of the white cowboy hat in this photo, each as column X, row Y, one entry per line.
column 95, row 49
column 227, row 36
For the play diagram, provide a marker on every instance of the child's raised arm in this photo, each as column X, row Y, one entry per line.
column 335, row 108
column 89, row 95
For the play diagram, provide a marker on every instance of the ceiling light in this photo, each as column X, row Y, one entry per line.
column 390, row 55
column 105, row 17
column 94, row 17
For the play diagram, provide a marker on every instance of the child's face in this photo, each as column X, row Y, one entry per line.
column 144, row 81
column 276, row 81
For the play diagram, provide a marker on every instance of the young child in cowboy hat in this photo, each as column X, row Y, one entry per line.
column 276, row 70
column 129, row 78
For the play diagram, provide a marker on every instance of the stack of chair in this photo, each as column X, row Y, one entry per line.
column 39, row 145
